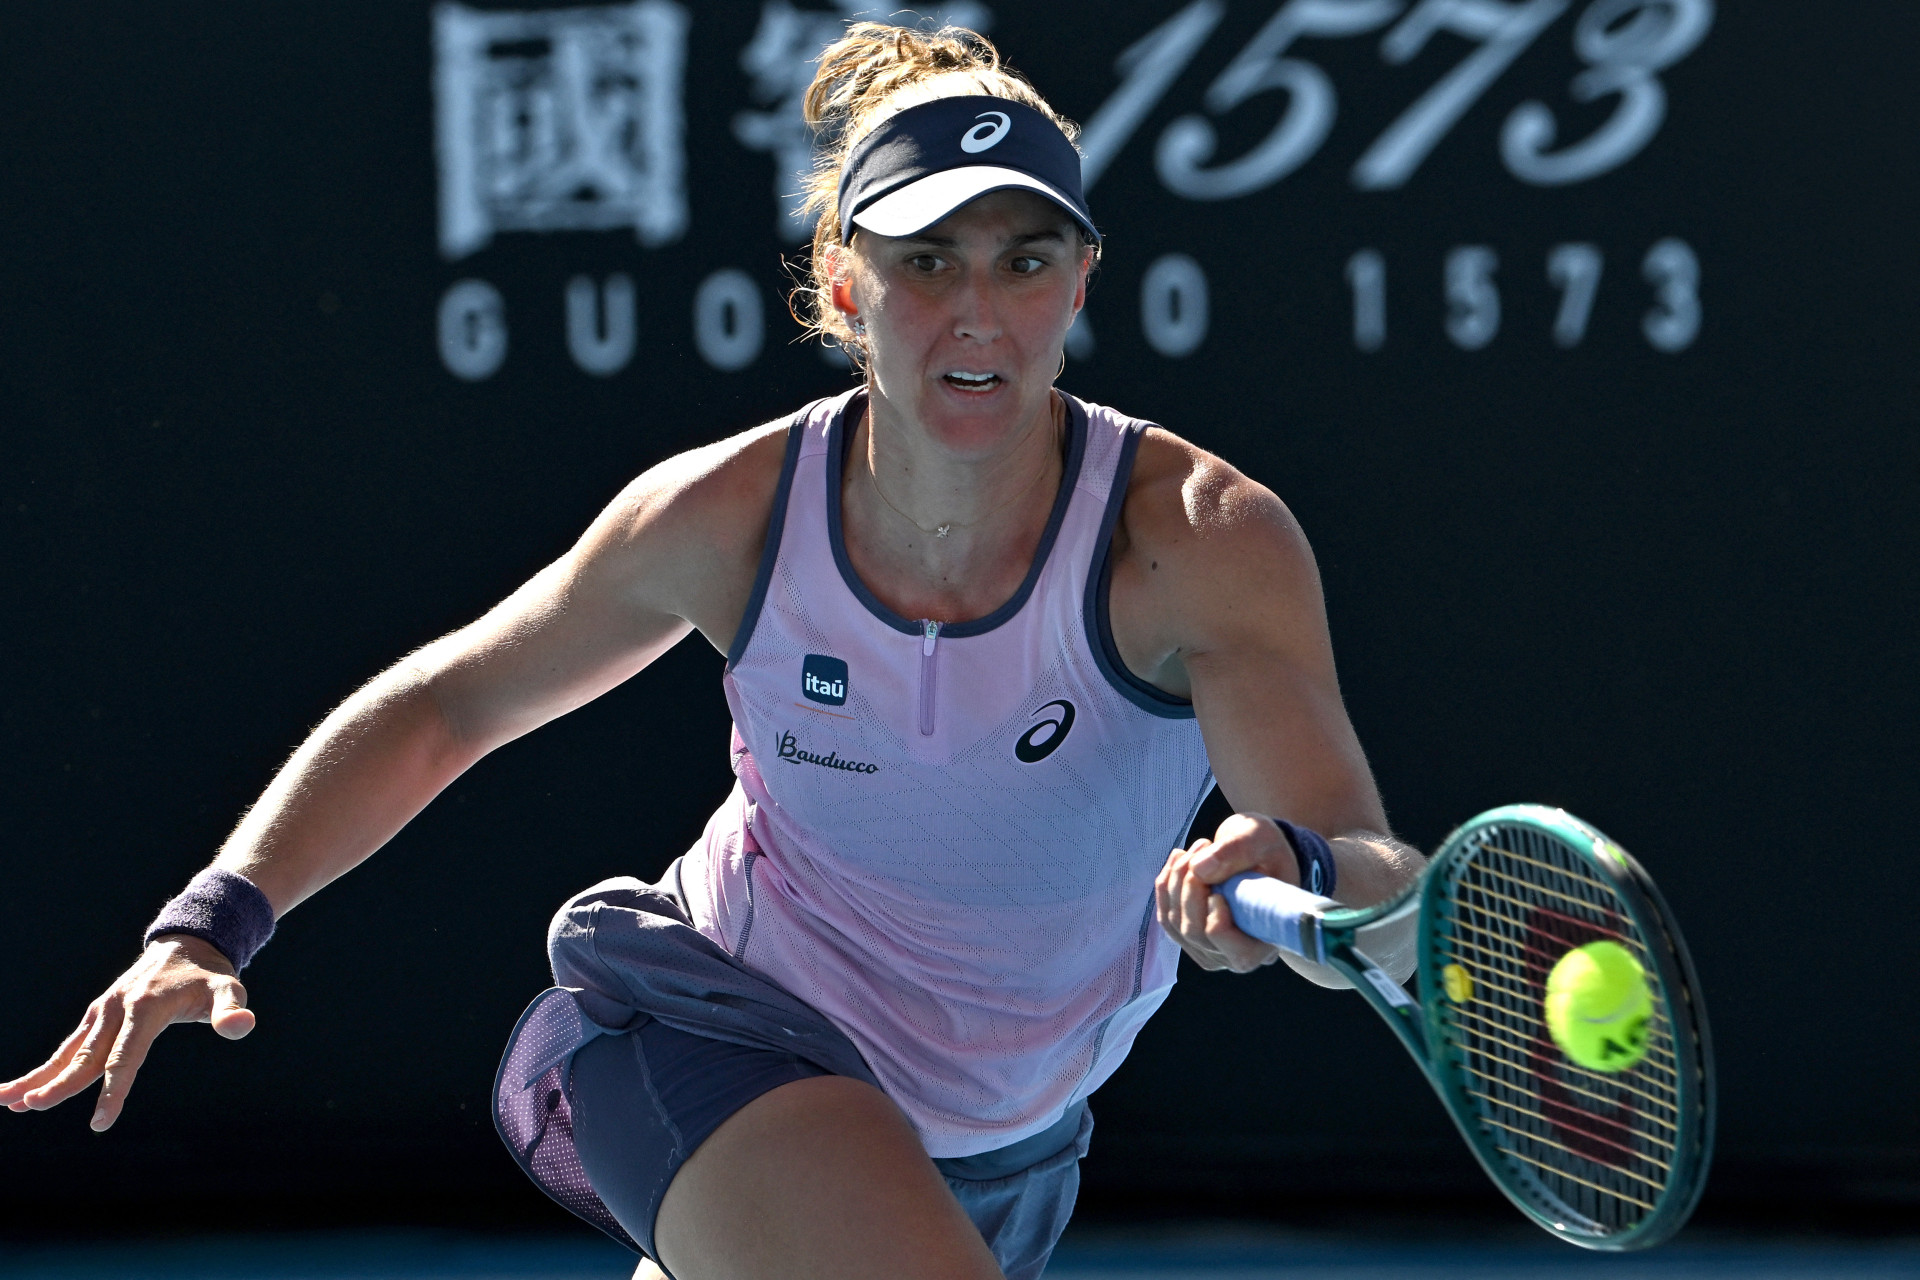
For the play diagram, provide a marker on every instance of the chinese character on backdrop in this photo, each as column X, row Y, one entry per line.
column 560, row 120
column 779, row 62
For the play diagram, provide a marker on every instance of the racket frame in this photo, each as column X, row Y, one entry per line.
column 1334, row 938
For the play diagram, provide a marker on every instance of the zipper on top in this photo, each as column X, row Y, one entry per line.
column 930, row 634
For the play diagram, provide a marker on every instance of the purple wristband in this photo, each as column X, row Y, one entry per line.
column 222, row 907
column 1314, row 855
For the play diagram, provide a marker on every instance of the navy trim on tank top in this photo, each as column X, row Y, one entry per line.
column 1106, row 654
column 776, row 525
column 837, row 442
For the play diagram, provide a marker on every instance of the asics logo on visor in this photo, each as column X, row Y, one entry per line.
column 982, row 136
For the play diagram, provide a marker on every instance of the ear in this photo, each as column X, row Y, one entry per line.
column 841, row 289
column 1080, row 281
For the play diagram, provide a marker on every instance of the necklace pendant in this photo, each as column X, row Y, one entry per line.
column 943, row 531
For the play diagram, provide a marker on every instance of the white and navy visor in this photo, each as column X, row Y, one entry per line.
column 917, row 167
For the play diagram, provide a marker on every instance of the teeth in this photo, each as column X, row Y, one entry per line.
column 976, row 378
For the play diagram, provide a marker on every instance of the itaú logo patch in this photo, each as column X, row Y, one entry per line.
column 824, row 679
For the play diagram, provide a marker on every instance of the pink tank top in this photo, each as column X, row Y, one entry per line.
column 945, row 838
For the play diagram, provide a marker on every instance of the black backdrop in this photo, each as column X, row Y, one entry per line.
column 1669, row 589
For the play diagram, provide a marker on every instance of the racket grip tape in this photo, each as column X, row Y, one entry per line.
column 1278, row 913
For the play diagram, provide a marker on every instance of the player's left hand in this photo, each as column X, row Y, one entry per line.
column 1198, row 918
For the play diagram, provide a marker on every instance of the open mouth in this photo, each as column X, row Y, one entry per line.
column 971, row 381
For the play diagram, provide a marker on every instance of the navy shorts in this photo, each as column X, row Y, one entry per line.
column 643, row 1103
column 653, row 1036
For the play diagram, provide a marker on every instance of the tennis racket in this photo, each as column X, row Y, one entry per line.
column 1605, row 1160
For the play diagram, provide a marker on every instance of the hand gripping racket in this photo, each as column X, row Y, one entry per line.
column 1606, row 1160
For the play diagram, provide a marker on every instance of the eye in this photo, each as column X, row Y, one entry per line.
column 1026, row 265
column 924, row 262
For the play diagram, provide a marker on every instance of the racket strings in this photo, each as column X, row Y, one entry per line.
column 1624, row 1131
column 1486, row 961
column 1520, row 995
column 1520, row 1055
column 1599, row 1144
column 1602, row 1137
column 1653, row 1186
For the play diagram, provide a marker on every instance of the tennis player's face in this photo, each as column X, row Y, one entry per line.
column 965, row 321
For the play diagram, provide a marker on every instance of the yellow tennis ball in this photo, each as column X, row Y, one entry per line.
column 1598, row 1006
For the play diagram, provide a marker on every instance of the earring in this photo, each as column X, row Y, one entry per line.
column 1063, row 365
column 859, row 327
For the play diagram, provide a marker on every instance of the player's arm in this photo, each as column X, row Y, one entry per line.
column 676, row 550
column 1227, row 611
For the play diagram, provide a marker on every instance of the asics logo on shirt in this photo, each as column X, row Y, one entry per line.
column 1039, row 742
column 824, row 679
column 982, row 136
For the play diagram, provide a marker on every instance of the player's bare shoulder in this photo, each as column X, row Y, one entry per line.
column 705, row 491
column 689, row 530
column 1195, row 516
column 1200, row 547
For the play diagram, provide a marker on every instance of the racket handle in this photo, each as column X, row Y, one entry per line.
column 1278, row 913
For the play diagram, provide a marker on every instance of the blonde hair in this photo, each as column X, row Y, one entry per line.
column 868, row 75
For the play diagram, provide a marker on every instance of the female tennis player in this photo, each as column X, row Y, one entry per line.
column 987, row 647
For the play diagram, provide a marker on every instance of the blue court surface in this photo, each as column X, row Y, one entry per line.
column 1173, row 1255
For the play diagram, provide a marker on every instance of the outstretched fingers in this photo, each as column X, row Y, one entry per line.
column 83, row 1065
column 178, row 980
column 13, row 1094
column 137, row 1031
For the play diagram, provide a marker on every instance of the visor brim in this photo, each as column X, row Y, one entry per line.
column 921, row 203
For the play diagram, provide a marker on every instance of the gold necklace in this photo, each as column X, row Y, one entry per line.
column 942, row 530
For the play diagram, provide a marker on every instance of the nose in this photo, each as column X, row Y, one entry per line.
column 976, row 313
